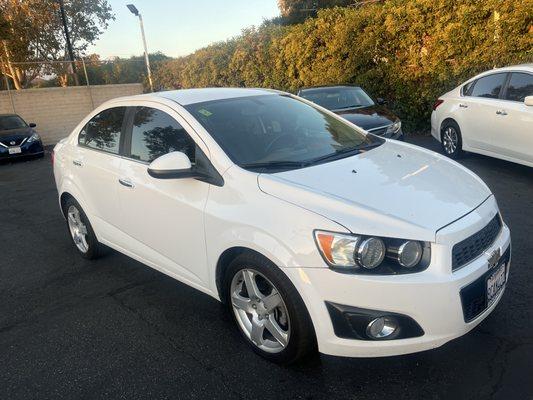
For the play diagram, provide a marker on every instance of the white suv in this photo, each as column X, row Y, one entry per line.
column 490, row 114
column 314, row 232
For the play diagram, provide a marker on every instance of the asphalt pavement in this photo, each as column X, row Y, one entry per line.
column 114, row 328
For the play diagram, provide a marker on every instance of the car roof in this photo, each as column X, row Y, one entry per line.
column 9, row 115
column 186, row 97
column 518, row 67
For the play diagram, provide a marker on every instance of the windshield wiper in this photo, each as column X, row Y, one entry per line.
column 347, row 107
column 338, row 154
column 275, row 165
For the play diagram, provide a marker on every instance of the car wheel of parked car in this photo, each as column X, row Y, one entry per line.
column 268, row 310
column 451, row 140
column 81, row 231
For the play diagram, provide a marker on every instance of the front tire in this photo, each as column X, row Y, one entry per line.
column 451, row 139
column 81, row 231
column 268, row 310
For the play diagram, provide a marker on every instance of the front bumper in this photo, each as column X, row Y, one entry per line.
column 431, row 298
column 27, row 150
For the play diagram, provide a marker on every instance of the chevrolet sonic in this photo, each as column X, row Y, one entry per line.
column 316, row 234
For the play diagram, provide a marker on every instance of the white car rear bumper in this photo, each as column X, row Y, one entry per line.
column 435, row 131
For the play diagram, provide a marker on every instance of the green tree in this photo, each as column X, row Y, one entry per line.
column 31, row 30
column 407, row 52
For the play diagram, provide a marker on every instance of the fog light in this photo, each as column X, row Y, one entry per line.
column 381, row 327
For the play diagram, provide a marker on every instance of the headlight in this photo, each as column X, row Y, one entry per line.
column 369, row 254
column 33, row 138
column 395, row 127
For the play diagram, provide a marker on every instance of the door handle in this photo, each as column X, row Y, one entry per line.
column 463, row 105
column 77, row 163
column 501, row 112
column 126, row 182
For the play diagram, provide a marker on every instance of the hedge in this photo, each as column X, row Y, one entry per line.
column 408, row 52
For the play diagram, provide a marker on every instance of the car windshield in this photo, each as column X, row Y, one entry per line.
column 278, row 132
column 338, row 98
column 8, row 122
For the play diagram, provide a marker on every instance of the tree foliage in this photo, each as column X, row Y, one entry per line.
column 407, row 52
column 31, row 30
column 298, row 10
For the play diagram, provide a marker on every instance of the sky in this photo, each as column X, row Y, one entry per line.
column 178, row 27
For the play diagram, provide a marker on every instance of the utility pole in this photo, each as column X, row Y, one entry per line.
column 69, row 45
column 136, row 12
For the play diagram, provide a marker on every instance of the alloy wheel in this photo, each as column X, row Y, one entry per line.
column 450, row 140
column 260, row 311
column 78, row 230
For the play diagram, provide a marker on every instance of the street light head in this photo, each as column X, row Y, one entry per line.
column 133, row 9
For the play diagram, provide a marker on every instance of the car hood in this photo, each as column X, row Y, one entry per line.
column 15, row 134
column 368, row 117
column 396, row 189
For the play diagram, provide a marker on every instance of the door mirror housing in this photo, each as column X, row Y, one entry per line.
column 528, row 101
column 32, row 124
column 174, row 165
column 381, row 101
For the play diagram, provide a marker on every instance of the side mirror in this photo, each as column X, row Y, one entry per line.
column 528, row 101
column 175, row 165
column 381, row 101
column 33, row 124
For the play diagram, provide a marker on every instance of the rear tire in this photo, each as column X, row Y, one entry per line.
column 81, row 231
column 263, row 300
column 451, row 139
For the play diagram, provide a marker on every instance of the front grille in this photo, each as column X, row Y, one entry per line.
column 473, row 246
column 7, row 142
column 379, row 131
column 474, row 296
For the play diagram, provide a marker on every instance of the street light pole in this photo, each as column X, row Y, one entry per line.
column 136, row 12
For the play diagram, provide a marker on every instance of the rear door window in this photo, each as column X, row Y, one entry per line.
column 155, row 133
column 489, row 86
column 104, row 130
column 520, row 86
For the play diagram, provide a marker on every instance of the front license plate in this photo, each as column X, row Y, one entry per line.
column 14, row 150
column 495, row 284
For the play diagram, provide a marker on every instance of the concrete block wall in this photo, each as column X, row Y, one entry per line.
column 56, row 111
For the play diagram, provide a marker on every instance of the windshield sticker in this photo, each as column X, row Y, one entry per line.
column 204, row 112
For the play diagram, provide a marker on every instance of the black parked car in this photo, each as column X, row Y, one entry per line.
column 17, row 138
column 355, row 105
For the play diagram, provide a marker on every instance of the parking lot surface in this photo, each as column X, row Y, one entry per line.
column 114, row 328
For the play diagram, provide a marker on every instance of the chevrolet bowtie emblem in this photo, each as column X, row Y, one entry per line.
column 494, row 258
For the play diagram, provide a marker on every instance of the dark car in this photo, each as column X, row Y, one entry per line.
column 17, row 138
column 355, row 105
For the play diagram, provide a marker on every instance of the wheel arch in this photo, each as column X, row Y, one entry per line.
column 447, row 119
column 225, row 259
column 65, row 196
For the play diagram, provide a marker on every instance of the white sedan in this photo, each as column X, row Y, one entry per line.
column 316, row 234
column 490, row 114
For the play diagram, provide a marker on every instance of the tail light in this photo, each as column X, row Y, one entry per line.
column 52, row 157
column 437, row 103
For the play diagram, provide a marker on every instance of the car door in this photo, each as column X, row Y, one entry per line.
column 163, row 217
column 513, row 126
column 477, row 111
column 95, row 166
